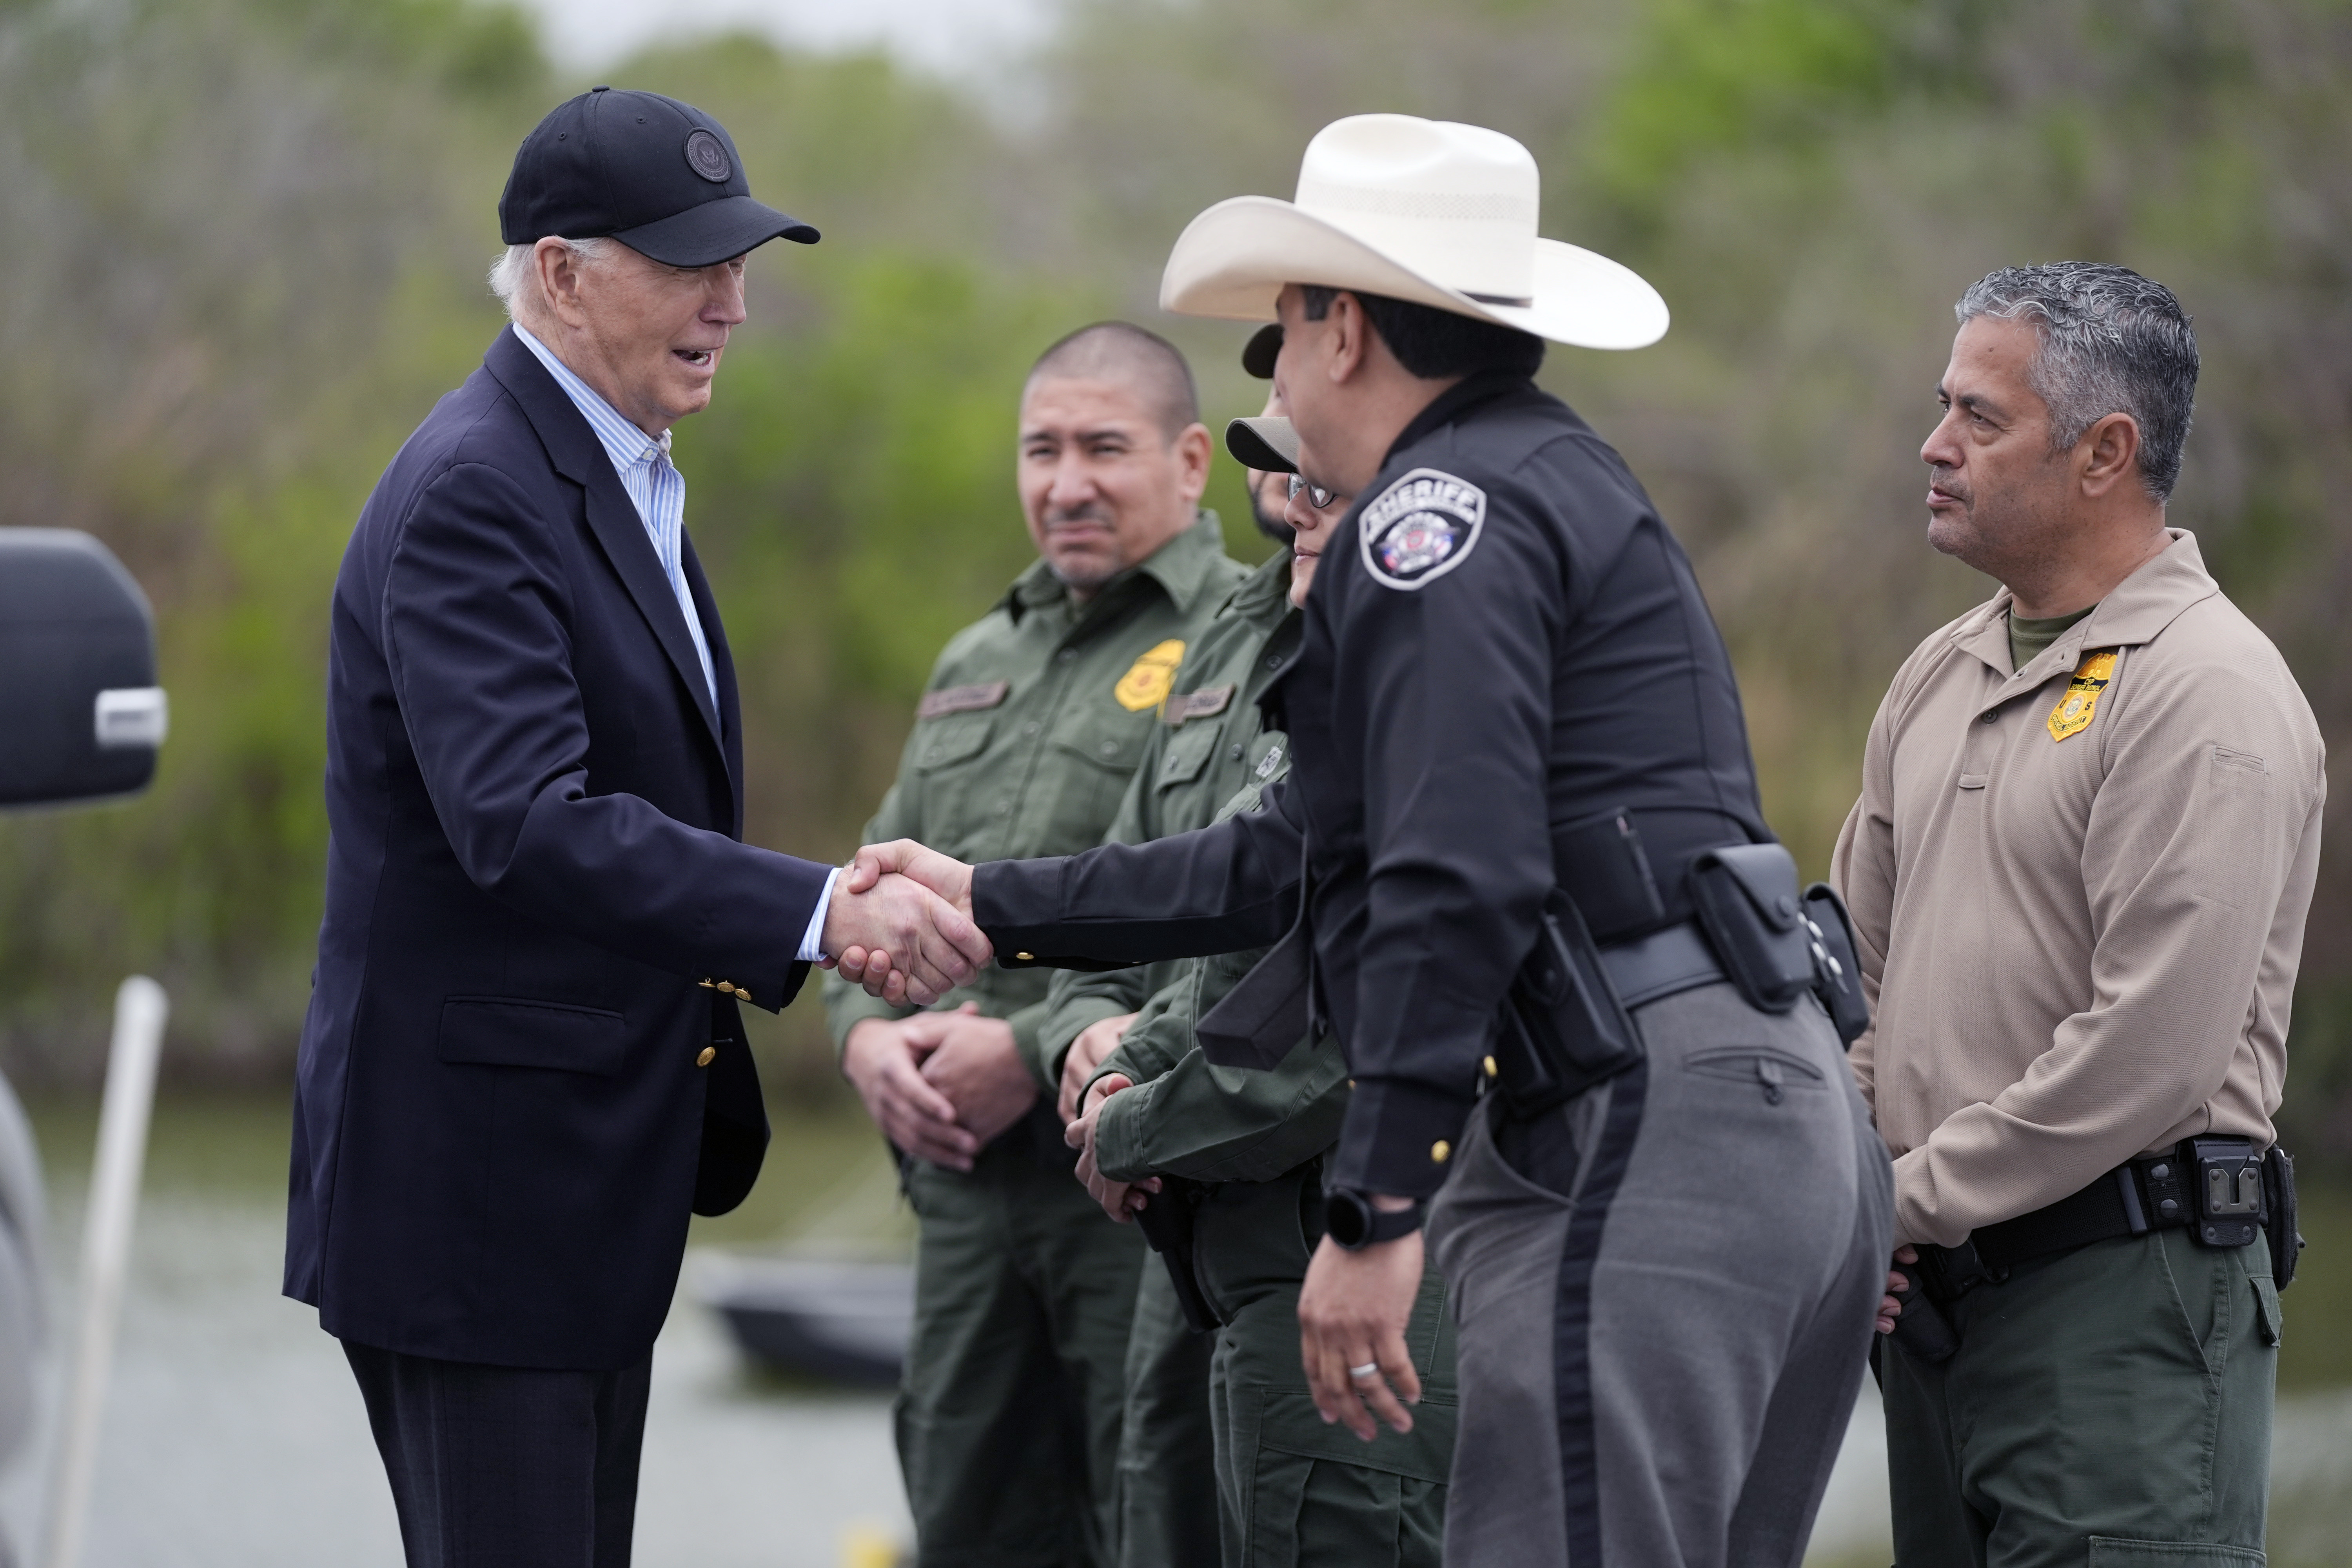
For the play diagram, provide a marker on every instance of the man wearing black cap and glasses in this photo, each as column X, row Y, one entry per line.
column 523, row 1063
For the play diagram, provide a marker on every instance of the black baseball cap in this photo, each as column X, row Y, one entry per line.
column 660, row 176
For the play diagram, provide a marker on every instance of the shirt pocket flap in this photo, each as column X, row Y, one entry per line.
column 943, row 742
column 1107, row 746
column 1188, row 751
column 494, row 1031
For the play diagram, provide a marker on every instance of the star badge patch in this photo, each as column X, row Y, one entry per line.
column 1421, row 528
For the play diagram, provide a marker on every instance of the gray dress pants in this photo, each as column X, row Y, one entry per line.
column 1663, row 1293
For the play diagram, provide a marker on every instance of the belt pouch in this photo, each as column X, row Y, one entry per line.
column 1746, row 899
column 1837, row 970
column 1601, row 864
column 1563, row 1028
column 2228, row 1174
column 2278, row 1204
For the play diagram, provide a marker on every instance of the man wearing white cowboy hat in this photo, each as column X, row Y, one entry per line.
column 1522, row 849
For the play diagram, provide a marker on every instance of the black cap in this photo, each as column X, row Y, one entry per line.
column 1257, row 354
column 658, row 175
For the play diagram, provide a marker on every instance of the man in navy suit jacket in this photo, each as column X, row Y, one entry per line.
column 523, row 1063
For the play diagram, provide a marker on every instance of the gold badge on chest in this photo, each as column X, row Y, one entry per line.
column 2076, row 708
column 1148, row 679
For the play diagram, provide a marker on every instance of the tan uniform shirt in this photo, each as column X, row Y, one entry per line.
column 2080, row 905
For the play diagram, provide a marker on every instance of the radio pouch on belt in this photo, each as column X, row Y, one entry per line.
column 1837, row 968
column 1563, row 1027
column 1746, row 899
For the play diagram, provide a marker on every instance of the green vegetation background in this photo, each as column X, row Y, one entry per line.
column 247, row 242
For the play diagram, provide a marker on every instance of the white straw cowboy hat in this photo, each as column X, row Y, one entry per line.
column 1426, row 210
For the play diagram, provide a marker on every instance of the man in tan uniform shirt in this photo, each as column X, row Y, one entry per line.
column 2079, row 868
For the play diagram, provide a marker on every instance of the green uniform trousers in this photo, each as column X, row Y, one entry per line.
column 1293, row 1492
column 1167, row 1459
column 1008, row 1412
column 2109, row 1407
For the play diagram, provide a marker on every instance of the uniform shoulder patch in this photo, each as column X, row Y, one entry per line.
column 1421, row 528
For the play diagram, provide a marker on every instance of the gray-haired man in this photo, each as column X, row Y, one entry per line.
column 2106, row 789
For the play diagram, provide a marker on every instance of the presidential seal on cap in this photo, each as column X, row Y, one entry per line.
column 660, row 176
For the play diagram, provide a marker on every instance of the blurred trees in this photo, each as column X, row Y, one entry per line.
column 248, row 237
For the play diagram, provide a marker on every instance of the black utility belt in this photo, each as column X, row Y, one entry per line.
column 2222, row 1190
column 1566, row 1024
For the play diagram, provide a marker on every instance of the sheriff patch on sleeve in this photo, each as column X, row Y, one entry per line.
column 1421, row 528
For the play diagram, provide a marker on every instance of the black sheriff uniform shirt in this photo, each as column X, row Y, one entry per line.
column 1502, row 643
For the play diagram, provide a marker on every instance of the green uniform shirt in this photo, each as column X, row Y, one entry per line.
column 1036, row 717
column 1210, row 761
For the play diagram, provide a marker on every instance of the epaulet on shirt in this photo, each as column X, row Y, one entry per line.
column 1421, row 527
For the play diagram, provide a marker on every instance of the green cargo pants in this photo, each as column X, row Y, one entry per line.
column 2109, row 1407
column 1008, row 1411
column 1167, row 1459
column 1294, row 1492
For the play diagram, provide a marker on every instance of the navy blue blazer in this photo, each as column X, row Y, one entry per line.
column 540, row 915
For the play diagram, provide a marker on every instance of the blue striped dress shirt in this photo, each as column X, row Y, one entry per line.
column 658, row 492
column 656, row 488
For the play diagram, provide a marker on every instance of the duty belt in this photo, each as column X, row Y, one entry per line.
column 1649, row 968
column 2215, row 1184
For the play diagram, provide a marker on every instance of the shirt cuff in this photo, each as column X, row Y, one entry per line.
column 813, row 938
column 1398, row 1137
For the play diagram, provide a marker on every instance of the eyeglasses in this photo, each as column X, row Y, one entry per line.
column 1317, row 496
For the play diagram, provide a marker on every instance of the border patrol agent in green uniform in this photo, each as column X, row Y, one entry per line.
column 1237, row 1157
column 1035, row 716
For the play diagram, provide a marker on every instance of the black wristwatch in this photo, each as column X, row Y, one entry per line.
column 1350, row 1219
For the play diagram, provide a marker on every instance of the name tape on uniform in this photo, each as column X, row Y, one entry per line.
column 962, row 698
column 1204, row 704
column 1421, row 528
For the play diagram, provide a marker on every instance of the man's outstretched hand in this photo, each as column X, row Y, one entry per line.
column 887, row 968
column 899, row 939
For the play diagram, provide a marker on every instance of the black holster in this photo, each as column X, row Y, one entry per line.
column 1562, row 1028
column 1166, row 1221
column 2278, row 1199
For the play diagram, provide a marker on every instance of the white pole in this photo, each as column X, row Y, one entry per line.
column 140, row 1010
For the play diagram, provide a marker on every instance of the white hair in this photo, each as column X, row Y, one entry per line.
column 514, row 275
